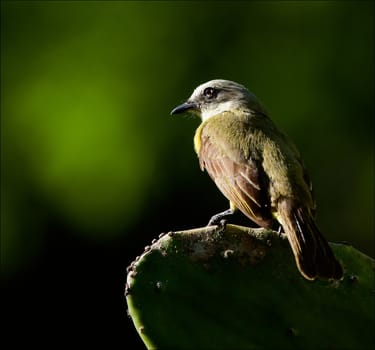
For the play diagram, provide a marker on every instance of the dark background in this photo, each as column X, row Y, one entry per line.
column 93, row 167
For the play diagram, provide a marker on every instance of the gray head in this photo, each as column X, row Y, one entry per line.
column 217, row 96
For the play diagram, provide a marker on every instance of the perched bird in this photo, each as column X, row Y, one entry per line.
column 259, row 170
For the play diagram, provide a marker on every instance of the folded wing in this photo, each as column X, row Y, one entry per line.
column 243, row 182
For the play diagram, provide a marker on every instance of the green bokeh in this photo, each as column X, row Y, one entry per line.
column 86, row 90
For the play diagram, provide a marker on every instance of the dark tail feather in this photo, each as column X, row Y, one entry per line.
column 312, row 252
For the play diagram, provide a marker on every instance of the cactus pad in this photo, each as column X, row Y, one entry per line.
column 240, row 289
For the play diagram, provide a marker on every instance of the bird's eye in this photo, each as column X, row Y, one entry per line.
column 210, row 92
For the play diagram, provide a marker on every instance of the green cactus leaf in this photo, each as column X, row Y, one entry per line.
column 240, row 289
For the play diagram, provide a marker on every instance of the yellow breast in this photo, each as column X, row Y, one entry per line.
column 197, row 138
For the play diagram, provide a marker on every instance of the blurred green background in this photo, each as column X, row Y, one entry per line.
column 93, row 167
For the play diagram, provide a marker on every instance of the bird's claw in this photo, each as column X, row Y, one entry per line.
column 221, row 225
column 281, row 232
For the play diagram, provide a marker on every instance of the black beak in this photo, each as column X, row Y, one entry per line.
column 185, row 107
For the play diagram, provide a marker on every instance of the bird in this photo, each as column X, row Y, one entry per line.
column 259, row 170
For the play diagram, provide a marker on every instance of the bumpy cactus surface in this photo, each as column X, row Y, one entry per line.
column 240, row 289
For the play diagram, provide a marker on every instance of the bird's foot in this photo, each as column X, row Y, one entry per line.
column 280, row 232
column 220, row 221
column 218, row 218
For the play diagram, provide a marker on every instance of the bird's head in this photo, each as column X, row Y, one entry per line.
column 217, row 96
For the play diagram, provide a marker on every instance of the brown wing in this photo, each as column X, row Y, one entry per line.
column 242, row 182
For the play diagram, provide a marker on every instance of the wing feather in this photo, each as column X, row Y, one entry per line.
column 242, row 182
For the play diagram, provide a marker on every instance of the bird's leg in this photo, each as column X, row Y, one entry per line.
column 219, row 219
column 281, row 231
